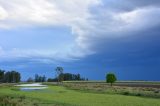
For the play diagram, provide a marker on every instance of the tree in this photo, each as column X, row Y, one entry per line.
column 78, row 77
column 44, row 78
column 111, row 78
column 17, row 77
column 1, row 75
column 39, row 78
column 52, row 80
column 30, row 79
column 36, row 78
column 59, row 73
column 72, row 77
column 12, row 77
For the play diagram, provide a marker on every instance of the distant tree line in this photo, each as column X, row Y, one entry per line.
column 52, row 80
column 60, row 76
column 38, row 78
column 9, row 77
column 67, row 77
column 71, row 77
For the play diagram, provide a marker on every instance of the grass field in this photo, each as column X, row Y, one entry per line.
column 64, row 96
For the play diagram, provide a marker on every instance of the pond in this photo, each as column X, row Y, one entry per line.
column 32, row 87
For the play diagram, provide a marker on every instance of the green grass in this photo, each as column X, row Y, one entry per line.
column 22, row 101
column 62, row 96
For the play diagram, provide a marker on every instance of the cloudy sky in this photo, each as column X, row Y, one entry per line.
column 90, row 37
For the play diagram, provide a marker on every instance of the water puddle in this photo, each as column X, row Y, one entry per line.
column 32, row 87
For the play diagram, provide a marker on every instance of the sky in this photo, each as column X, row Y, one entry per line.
column 90, row 37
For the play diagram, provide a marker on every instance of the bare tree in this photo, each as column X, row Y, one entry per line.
column 59, row 74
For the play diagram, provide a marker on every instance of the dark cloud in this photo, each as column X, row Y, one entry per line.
column 134, row 52
column 128, row 5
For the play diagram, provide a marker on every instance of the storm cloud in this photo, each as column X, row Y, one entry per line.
column 60, row 32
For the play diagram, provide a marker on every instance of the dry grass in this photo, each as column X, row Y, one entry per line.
column 105, row 88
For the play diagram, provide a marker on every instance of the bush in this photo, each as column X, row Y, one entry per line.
column 156, row 91
column 126, row 93
column 138, row 94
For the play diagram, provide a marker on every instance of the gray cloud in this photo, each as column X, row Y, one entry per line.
column 107, row 24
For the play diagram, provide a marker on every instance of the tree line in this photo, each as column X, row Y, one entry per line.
column 71, row 77
column 9, row 76
column 60, row 76
column 38, row 78
column 110, row 77
column 67, row 77
column 15, row 77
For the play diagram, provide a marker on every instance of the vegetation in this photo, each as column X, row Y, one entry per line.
column 62, row 96
column 59, row 73
column 39, row 78
column 110, row 78
column 30, row 79
column 6, row 100
column 72, row 77
column 67, row 77
column 102, row 88
column 9, row 77
column 60, row 76
column 52, row 80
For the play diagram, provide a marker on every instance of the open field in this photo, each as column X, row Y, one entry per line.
column 133, row 89
column 153, row 84
column 80, row 94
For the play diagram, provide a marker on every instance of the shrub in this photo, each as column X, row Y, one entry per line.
column 156, row 91
column 126, row 93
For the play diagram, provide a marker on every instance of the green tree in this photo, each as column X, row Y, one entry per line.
column 36, row 78
column 12, row 77
column 78, row 77
column 44, row 78
column 1, row 75
column 111, row 78
column 30, row 79
column 39, row 78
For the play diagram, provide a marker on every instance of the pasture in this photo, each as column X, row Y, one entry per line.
column 80, row 94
